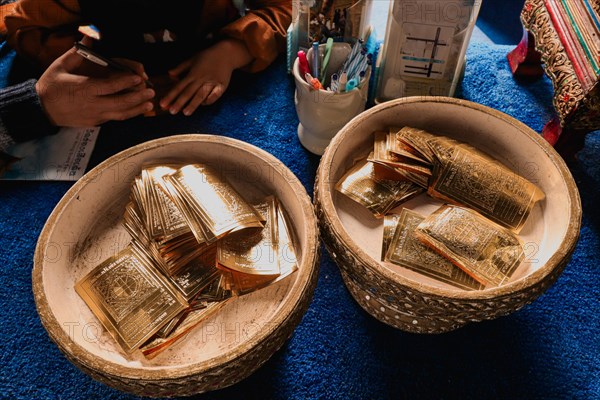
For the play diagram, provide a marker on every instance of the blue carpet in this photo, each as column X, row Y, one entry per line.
column 505, row 30
column 548, row 350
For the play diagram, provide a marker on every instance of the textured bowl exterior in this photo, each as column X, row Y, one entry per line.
column 221, row 371
column 418, row 308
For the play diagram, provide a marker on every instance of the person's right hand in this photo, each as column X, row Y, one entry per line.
column 72, row 99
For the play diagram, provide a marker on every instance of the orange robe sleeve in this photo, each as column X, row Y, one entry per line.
column 5, row 9
column 263, row 30
column 42, row 30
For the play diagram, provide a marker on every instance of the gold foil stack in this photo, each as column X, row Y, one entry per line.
column 470, row 245
column 458, row 173
column 483, row 249
column 467, row 177
column 365, row 185
column 407, row 162
column 261, row 258
column 195, row 243
column 156, row 224
column 406, row 250
column 211, row 207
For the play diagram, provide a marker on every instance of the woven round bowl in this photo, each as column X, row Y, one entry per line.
column 85, row 228
column 413, row 302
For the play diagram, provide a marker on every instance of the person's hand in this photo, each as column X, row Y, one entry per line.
column 71, row 98
column 207, row 78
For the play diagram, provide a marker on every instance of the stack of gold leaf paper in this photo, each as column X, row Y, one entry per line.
column 196, row 243
column 471, row 243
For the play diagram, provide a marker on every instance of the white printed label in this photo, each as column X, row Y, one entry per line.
column 60, row 157
column 425, row 50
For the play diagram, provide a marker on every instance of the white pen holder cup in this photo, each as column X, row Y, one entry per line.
column 323, row 113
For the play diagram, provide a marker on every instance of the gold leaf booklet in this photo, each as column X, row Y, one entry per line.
column 470, row 246
column 196, row 242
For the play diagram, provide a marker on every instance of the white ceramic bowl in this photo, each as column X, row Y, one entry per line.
column 413, row 302
column 323, row 113
column 85, row 228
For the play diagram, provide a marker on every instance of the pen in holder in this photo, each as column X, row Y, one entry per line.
column 322, row 113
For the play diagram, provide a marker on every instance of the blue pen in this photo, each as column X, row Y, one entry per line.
column 316, row 60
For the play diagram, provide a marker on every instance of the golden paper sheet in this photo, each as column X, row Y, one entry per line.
column 192, row 217
column 382, row 155
column 215, row 291
column 196, row 275
column 140, row 239
column 130, row 298
column 172, row 254
column 149, row 204
column 407, row 251
column 169, row 257
column 286, row 247
column 390, row 223
column 460, row 174
column 170, row 326
column 138, row 193
column 178, row 255
column 465, row 176
column 171, row 222
column 416, row 139
column 253, row 253
column 133, row 223
column 483, row 249
column 442, row 147
column 202, row 196
column 384, row 171
column 378, row 195
column 192, row 320
column 401, row 149
column 150, row 252
column 241, row 283
column 420, row 180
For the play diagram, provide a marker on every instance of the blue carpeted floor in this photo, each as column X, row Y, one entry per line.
column 548, row 350
column 499, row 20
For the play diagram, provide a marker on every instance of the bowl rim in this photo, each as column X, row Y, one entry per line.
column 523, row 284
column 292, row 300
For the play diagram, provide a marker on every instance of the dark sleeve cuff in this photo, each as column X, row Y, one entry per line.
column 22, row 117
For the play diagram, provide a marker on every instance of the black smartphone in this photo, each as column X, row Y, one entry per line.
column 99, row 59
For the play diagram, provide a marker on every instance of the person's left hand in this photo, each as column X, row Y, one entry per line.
column 207, row 78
